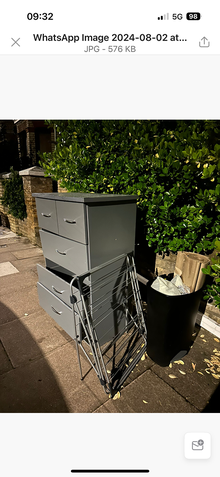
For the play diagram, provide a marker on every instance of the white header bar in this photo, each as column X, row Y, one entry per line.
column 82, row 27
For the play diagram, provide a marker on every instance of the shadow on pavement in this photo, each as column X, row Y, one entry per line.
column 214, row 403
column 27, row 382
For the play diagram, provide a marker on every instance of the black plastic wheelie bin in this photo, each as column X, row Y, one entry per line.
column 170, row 324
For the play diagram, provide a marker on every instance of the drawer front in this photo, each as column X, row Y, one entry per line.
column 47, row 215
column 68, row 254
column 59, row 287
column 71, row 221
column 61, row 313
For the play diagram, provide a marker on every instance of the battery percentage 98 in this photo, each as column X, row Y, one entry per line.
column 193, row 16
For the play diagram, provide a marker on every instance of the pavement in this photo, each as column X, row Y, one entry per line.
column 38, row 363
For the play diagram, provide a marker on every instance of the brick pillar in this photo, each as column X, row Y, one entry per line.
column 34, row 181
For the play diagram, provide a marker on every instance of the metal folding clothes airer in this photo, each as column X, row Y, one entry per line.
column 112, row 320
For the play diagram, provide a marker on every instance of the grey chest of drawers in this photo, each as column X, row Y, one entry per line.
column 79, row 231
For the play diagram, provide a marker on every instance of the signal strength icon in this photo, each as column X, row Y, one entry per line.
column 164, row 17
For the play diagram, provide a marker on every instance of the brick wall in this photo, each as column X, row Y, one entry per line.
column 18, row 226
column 31, row 185
column 33, row 181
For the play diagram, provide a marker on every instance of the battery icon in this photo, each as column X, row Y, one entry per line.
column 193, row 16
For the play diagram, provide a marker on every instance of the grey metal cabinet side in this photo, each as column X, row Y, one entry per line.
column 111, row 231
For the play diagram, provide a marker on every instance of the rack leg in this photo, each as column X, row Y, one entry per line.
column 79, row 360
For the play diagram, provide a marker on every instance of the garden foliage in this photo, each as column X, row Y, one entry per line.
column 13, row 195
column 172, row 166
column 213, row 270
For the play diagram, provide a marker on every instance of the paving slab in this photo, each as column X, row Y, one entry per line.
column 7, row 236
column 15, row 283
column 6, row 268
column 27, row 253
column 29, row 338
column 45, row 331
column 6, row 233
column 31, row 388
column 15, row 246
column 29, row 263
column 149, row 394
column 196, row 385
column 18, row 343
column 7, row 257
column 86, row 399
column 80, row 395
column 13, row 306
column 13, row 239
column 121, row 406
column 140, row 368
column 51, row 384
column 5, row 364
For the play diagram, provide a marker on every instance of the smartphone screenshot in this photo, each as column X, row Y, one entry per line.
column 109, row 238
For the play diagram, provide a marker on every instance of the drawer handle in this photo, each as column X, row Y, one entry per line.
column 57, row 312
column 61, row 253
column 69, row 221
column 57, row 291
column 46, row 215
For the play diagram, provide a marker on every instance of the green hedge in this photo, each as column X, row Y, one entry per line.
column 173, row 167
column 13, row 195
column 213, row 270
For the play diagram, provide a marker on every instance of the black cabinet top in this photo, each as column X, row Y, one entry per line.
column 86, row 198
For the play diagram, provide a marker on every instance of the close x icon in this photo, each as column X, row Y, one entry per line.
column 15, row 42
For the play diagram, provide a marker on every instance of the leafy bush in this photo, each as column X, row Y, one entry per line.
column 173, row 167
column 213, row 270
column 13, row 196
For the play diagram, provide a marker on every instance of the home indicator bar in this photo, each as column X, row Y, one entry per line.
column 111, row 471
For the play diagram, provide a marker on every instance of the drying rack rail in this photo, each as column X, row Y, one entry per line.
column 114, row 335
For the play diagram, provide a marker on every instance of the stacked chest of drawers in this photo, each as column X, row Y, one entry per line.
column 79, row 231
